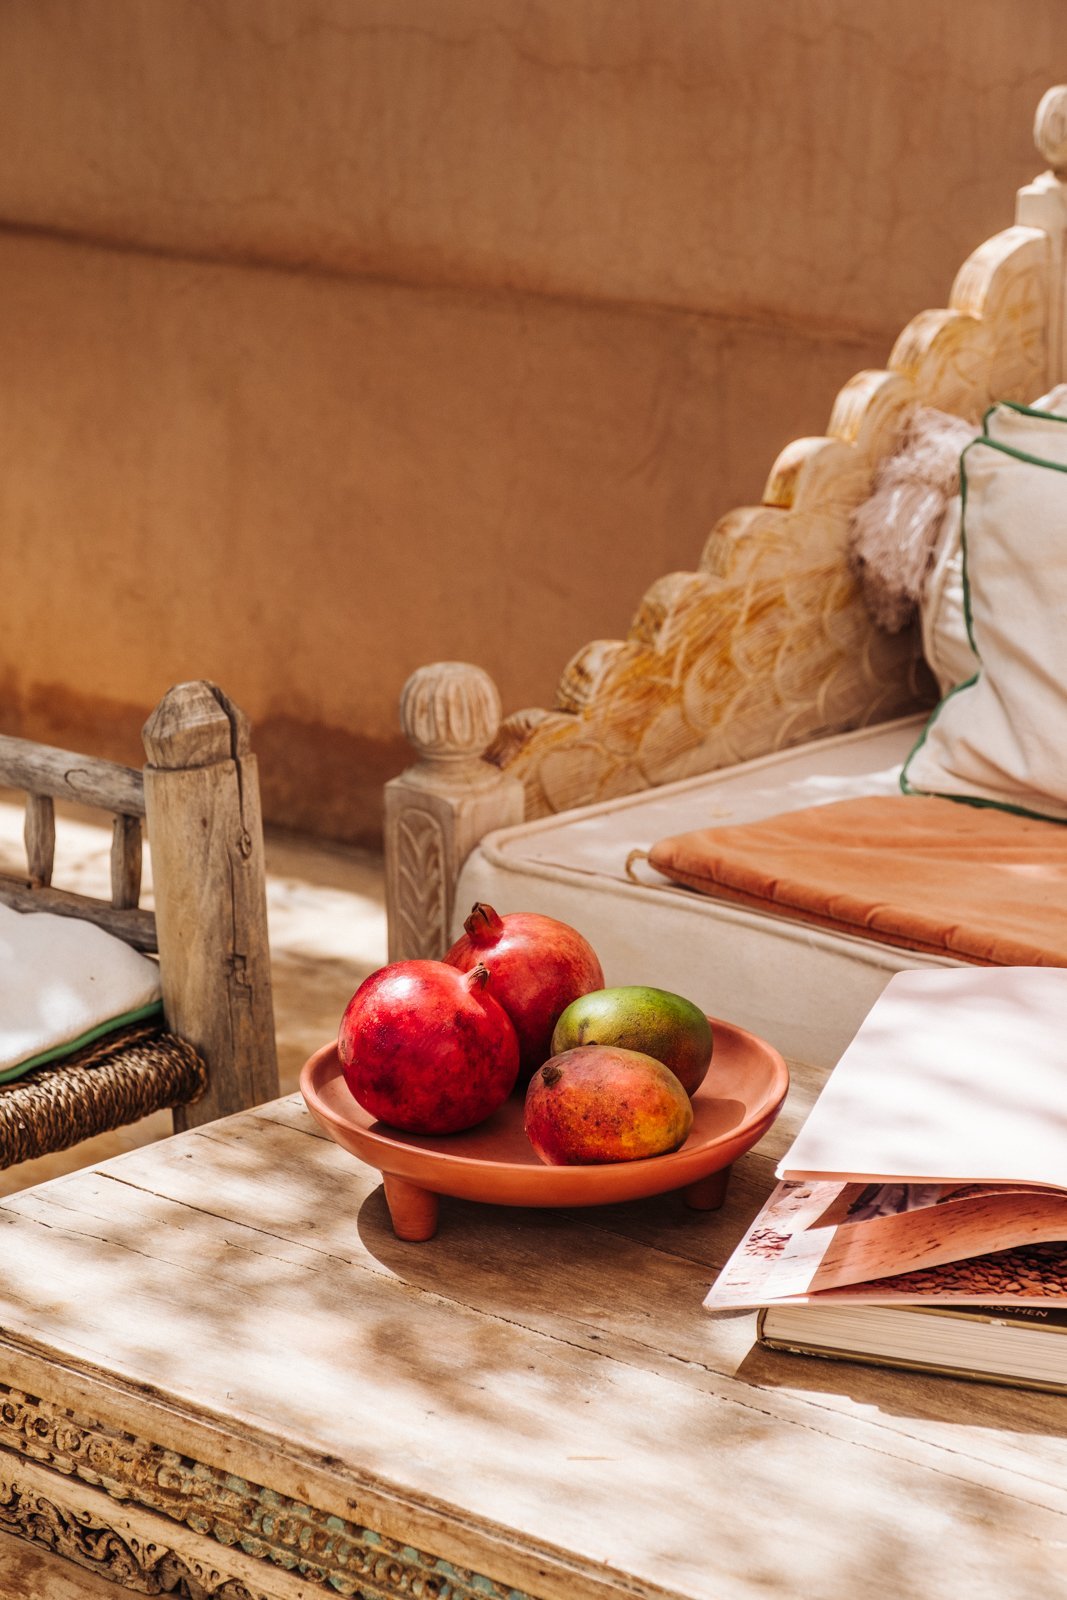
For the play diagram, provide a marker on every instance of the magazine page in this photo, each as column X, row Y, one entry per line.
column 956, row 1076
column 899, row 1242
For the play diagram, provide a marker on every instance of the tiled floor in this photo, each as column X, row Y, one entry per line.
column 327, row 930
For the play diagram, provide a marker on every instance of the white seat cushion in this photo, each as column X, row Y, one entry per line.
column 65, row 983
column 803, row 989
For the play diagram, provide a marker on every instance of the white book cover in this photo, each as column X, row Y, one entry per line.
column 957, row 1075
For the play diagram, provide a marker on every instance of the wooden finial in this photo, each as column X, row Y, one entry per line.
column 1050, row 128
column 438, row 809
column 450, row 712
column 195, row 725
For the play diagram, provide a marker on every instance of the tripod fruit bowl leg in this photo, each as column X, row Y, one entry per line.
column 707, row 1194
column 412, row 1210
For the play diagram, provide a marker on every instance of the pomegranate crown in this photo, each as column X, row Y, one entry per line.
column 484, row 925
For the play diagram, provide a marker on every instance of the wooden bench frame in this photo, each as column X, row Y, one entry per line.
column 199, row 796
column 768, row 643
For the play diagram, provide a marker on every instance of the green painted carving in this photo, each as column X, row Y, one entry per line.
column 348, row 1559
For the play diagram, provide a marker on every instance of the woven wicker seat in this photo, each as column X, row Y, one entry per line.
column 199, row 795
column 113, row 1082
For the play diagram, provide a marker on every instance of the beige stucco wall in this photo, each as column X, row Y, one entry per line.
column 340, row 335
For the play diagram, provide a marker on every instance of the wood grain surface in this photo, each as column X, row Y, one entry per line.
column 205, row 823
column 68, row 775
column 535, row 1398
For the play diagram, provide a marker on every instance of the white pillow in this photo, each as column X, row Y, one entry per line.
column 999, row 738
column 1037, row 430
column 946, row 642
column 65, row 983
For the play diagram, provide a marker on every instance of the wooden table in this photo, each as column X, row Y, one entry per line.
column 222, row 1370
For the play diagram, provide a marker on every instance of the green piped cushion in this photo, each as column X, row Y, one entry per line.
column 63, row 984
column 999, row 738
column 1039, row 430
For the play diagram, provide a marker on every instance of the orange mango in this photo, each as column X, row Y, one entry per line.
column 599, row 1103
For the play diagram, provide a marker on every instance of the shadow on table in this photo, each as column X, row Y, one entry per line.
column 582, row 1275
column 923, row 1397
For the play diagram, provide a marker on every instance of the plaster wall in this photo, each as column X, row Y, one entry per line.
column 339, row 337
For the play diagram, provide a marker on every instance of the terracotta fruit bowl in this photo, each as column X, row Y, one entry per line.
column 495, row 1162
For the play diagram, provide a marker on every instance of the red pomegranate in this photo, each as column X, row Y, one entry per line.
column 539, row 966
column 426, row 1048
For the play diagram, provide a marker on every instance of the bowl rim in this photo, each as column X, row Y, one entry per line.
column 737, row 1138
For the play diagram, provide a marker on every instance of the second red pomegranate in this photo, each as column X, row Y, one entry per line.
column 539, row 966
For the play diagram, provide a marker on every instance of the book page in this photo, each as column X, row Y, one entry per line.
column 899, row 1241
column 955, row 1076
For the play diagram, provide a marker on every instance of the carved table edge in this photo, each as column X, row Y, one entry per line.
column 45, row 1448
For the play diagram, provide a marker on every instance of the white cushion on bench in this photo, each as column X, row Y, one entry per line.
column 63, row 983
column 803, row 989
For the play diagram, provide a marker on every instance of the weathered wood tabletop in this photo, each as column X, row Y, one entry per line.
column 221, row 1370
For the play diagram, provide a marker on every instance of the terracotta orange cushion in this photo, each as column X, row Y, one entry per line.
column 926, row 874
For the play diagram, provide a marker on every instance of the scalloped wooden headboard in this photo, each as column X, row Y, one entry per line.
column 768, row 642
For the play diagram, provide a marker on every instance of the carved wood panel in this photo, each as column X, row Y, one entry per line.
column 227, row 1512
column 126, row 1561
column 417, row 857
column 769, row 642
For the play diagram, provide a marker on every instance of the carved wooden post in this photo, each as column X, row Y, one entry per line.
column 1043, row 204
column 206, row 836
column 437, row 810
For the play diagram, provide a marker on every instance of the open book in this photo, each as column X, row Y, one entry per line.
column 932, row 1169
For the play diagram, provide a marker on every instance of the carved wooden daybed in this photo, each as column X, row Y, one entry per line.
column 213, row 1051
column 733, row 693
